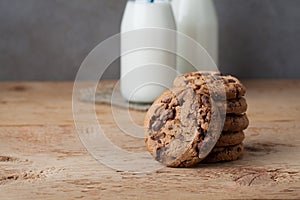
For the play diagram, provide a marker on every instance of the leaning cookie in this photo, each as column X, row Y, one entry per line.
column 225, row 154
column 235, row 123
column 232, row 86
column 230, row 139
column 176, row 127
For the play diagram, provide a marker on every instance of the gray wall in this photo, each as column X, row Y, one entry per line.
column 48, row 39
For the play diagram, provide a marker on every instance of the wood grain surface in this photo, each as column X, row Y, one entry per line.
column 42, row 157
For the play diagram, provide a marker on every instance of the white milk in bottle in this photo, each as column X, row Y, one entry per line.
column 143, row 75
column 198, row 20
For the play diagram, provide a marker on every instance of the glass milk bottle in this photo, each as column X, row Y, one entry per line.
column 198, row 20
column 146, row 73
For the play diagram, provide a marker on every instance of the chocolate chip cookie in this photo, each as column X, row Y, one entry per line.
column 225, row 154
column 236, row 106
column 183, row 126
column 177, row 127
column 230, row 139
column 233, row 87
column 235, row 123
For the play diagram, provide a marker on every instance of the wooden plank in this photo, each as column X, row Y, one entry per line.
column 35, row 103
column 42, row 157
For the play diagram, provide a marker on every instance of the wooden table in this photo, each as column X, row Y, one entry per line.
column 41, row 156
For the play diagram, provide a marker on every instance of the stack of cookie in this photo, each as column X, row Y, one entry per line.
column 177, row 124
column 230, row 144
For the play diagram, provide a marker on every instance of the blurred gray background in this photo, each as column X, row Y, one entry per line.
column 48, row 39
